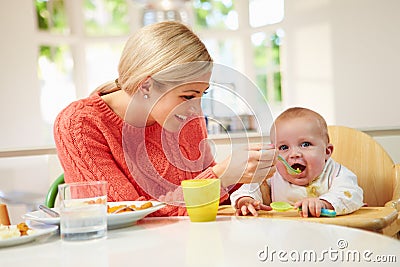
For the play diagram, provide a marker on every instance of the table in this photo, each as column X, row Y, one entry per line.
column 368, row 218
column 229, row 241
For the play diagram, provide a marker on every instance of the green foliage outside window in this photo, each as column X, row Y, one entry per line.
column 261, row 81
column 260, row 56
column 269, row 58
column 51, row 16
column 275, row 42
column 54, row 54
column 108, row 17
column 277, row 87
column 212, row 13
column 114, row 19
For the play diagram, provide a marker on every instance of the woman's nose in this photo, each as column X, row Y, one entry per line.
column 193, row 110
column 195, row 107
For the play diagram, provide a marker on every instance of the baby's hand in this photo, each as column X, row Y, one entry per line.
column 247, row 204
column 312, row 206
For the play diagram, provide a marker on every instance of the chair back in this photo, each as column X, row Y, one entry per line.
column 53, row 191
column 377, row 174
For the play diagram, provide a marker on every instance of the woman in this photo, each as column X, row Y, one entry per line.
column 119, row 133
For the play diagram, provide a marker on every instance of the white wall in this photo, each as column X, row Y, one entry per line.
column 20, row 118
column 342, row 58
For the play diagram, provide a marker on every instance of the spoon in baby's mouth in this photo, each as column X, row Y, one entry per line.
column 288, row 167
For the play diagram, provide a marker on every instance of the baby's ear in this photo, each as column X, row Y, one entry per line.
column 328, row 151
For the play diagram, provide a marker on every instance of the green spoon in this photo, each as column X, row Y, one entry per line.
column 288, row 167
column 284, row 206
column 281, row 206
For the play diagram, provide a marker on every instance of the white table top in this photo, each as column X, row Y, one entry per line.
column 229, row 241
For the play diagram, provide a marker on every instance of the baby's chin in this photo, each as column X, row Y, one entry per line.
column 300, row 181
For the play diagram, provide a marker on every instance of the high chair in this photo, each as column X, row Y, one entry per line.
column 377, row 174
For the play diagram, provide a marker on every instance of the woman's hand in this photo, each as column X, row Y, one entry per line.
column 174, row 198
column 244, row 205
column 251, row 164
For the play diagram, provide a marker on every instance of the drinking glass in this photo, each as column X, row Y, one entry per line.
column 83, row 210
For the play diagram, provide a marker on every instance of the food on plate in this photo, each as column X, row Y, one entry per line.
column 23, row 228
column 143, row 206
column 124, row 208
column 8, row 231
column 97, row 201
column 12, row 231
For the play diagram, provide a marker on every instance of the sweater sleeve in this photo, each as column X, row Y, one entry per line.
column 195, row 145
column 209, row 174
column 344, row 193
column 85, row 153
column 250, row 190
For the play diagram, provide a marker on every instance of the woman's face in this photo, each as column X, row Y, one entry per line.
column 174, row 108
column 301, row 143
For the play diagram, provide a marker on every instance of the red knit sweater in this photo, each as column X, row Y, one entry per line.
column 88, row 137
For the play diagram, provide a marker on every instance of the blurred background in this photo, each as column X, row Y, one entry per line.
column 338, row 57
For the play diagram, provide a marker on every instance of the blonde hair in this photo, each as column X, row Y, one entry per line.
column 153, row 50
column 297, row 112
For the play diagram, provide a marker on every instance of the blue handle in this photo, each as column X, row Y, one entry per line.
column 326, row 212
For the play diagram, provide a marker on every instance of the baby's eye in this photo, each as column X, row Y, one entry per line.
column 283, row 147
column 305, row 144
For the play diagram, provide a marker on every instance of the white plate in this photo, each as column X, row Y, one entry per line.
column 39, row 231
column 113, row 220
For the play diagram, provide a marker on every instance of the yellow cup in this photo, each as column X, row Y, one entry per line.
column 201, row 199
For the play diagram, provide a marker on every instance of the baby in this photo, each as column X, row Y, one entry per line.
column 301, row 137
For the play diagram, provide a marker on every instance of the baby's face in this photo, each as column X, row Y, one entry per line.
column 302, row 144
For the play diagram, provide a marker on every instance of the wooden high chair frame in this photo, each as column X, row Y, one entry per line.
column 377, row 174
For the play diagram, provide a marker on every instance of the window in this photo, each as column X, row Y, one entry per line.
column 252, row 47
column 106, row 18
column 55, row 61
column 215, row 14
column 55, row 76
column 80, row 42
column 266, row 49
column 77, row 51
column 265, row 12
column 166, row 10
column 266, row 43
column 51, row 16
